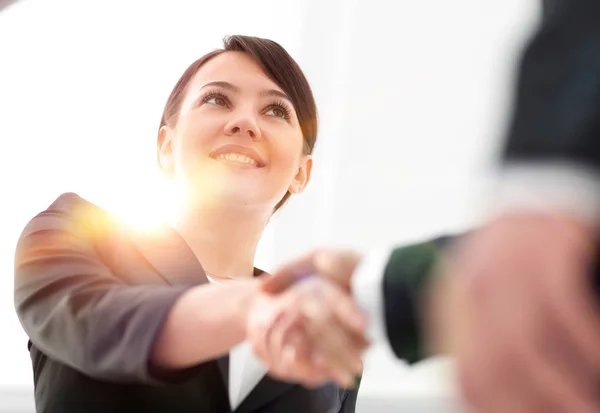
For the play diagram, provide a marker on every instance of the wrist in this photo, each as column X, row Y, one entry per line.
column 248, row 298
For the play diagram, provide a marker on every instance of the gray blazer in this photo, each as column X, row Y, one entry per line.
column 92, row 295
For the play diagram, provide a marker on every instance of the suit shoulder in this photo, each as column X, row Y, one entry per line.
column 65, row 201
column 68, row 212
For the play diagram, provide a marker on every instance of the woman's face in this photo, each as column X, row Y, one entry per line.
column 237, row 138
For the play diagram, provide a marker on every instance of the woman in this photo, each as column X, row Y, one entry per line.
column 122, row 322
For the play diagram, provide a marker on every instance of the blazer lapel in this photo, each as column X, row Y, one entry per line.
column 267, row 390
column 170, row 256
column 223, row 363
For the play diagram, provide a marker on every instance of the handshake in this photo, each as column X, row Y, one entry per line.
column 305, row 325
column 515, row 304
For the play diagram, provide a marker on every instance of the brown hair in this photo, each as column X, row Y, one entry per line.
column 278, row 65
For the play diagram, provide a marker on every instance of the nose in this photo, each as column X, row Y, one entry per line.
column 243, row 124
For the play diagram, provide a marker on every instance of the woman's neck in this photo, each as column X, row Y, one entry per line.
column 223, row 239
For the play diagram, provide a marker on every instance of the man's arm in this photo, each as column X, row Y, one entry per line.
column 529, row 265
column 551, row 159
column 389, row 285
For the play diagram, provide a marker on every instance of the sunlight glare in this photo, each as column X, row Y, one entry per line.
column 152, row 207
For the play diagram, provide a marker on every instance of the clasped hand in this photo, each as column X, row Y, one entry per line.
column 307, row 330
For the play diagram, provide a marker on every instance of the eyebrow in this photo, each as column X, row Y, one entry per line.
column 276, row 93
column 233, row 88
column 222, row 84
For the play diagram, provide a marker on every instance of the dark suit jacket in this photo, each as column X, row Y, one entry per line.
column 556, row 113
column 92, row 296
column 407, row 275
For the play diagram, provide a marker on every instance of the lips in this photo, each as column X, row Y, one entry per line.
column 241, row 154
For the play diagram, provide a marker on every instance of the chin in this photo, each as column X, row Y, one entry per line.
column 241, row 187
column 232, row 194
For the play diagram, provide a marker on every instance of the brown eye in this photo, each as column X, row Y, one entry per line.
column 216, row 100
column 276, row 112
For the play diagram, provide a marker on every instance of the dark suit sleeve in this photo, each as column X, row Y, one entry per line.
column 556, row 114
column 76, row 311
column 406, row 277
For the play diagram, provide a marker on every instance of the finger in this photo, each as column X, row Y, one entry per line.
column 278, row 282
column 349, row 315
column 336, row 267
column 277, row 336
column 560, row 382
column 565, row 373
column 320, row 299
column 325, row 306
column 286, row 275
column 484, row 390
column 341, row 351
column 267, row 329
column 342, row 368
column 329, row 301
column 577, row 309
column 297, row 356
column 492, row 377
column 288, row 349
column 289, row 353
column 503, row 394
column 539, row 342
column 338, row 375
column 495, row 322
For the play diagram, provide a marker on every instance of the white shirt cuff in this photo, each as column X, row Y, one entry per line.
column 550, row 187
column 367, row 289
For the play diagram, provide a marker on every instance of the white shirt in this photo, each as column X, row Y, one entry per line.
column 245, row 370
column 564, row 187
column 367, row 288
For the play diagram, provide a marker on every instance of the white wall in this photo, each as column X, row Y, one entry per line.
column 412, row 97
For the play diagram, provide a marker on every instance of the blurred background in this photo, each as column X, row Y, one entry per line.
column 413, row 98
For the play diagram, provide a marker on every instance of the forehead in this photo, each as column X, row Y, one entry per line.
column 237, row 68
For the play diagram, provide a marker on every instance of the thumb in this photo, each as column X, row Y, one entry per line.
column 278, row 282
column 336, row 266
column 286, row 275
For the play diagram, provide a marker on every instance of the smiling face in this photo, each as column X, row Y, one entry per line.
column 237, row 138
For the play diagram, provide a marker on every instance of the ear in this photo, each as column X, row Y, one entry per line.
column 165, row 150
column 302, row 177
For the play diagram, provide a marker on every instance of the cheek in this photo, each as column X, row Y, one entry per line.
column 195, row 134
column 286, row 151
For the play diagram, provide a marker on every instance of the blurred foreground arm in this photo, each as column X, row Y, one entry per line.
column 524, row 312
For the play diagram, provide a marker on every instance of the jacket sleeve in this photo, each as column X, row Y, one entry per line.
column 76, row 311
column 556, row 112
column 406, row 277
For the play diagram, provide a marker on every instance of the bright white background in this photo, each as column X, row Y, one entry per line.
column 412, row 98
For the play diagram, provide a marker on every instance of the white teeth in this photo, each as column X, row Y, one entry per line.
column 236, row 157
